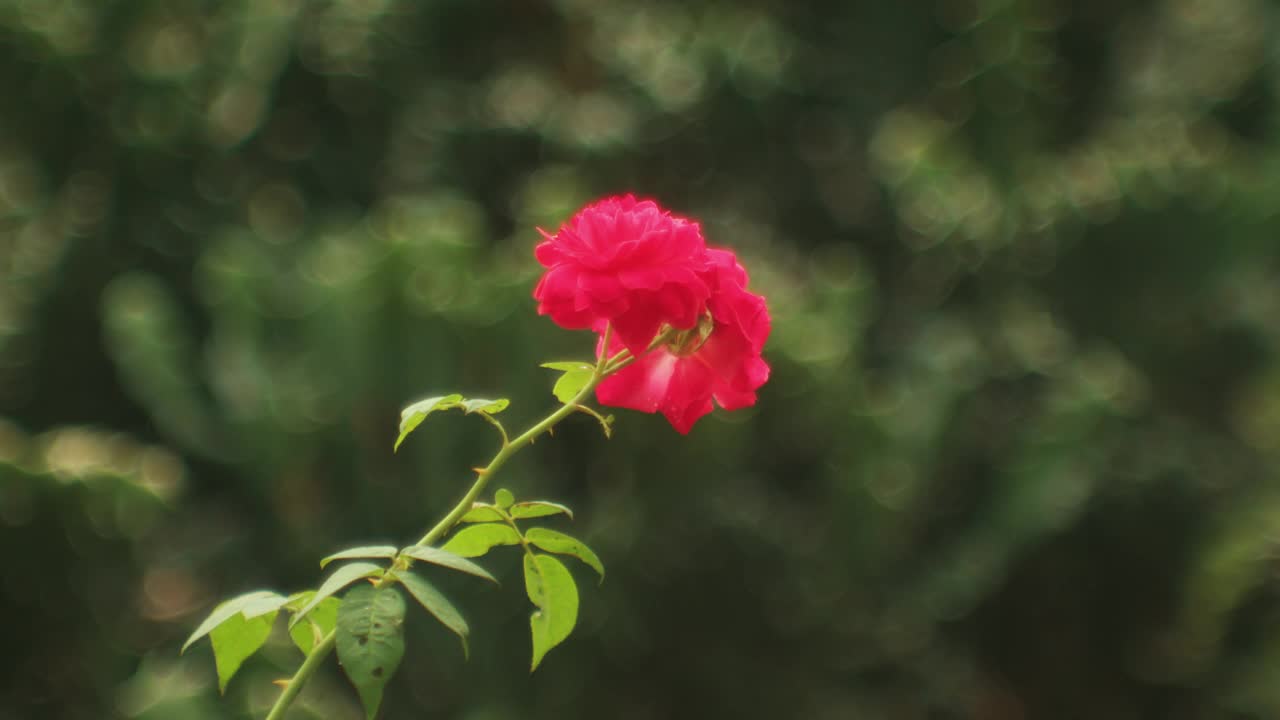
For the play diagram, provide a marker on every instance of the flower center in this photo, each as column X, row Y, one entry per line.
column 688, row 342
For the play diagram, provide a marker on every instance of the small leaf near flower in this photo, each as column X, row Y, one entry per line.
column 488, row 407
column 570, row 384
column 412, row 416
column 567, row 366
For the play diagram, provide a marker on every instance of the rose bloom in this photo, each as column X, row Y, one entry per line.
column 627, row 263
column 717, row 361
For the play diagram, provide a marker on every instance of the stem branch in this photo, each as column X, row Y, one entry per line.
column 483, row 476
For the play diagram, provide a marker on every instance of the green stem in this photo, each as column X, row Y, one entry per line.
column 304, row 673
column 486, row 473
column 483, row 476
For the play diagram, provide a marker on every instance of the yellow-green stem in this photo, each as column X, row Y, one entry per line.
column 304, row 673
column 483, row 476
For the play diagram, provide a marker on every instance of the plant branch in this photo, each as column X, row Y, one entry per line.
column 483, row 476
column 304, row 673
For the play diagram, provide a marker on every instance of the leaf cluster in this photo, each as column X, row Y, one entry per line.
column 368, row 619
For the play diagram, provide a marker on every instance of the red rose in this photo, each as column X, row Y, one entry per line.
column 719, row 360
column 624, row 262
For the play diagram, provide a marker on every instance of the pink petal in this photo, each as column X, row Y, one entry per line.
column 637, row 327
column 641, row 385
column 688, row 395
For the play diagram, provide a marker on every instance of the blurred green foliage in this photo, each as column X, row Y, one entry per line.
column 1018, row 458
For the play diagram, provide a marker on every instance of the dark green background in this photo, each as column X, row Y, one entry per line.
column 1017, row 459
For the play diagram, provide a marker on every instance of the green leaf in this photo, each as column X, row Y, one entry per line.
column 370, row 639
column 340, row 578
column 436, row 556
column 235, row 640
column 412, row 416
column 368, row 551
column 262, row 606
column 503, row 498
column 482, row 513
column 570, row 384
column 558, row 542
column 568, row 365
column 259, row 602
column 538, row 508
column 318, row 623
column 436, row 604
column 476, row 540
column 552, row 590
column 488, row 407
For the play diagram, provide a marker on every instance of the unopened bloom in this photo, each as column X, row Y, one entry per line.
column 719, row 360
column 626, row 263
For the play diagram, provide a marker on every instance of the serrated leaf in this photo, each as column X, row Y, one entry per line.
column 340, row 578
column 558, row 542
column 488, row 407
column 482, row 513
column 570, row 384
column 538, row 508
column 412, row 416
column 568, row 365
column 370, row 640
column 476, row 540
column 552, row 590
column 503, row 498
column 318, row 623
column 437, row 604
column 236, row 639
column 368, row 551
column 443, row 558
column 253, row 600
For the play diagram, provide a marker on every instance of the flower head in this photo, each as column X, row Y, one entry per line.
column 627, row 263
column 718, row 360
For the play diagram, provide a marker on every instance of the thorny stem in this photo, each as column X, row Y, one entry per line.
column 304, row 673
column 604, row 366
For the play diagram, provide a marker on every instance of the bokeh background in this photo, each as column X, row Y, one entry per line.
column 1018, row 457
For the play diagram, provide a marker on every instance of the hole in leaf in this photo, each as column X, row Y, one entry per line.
column 363, row 639
column 377, row 672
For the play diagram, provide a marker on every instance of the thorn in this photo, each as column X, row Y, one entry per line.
column 479, row 471
column 281, row 683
